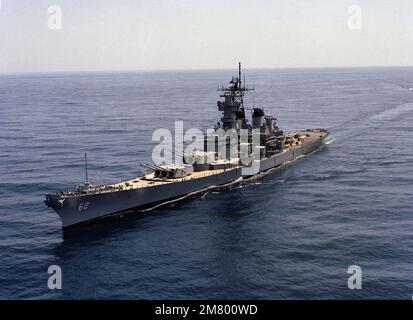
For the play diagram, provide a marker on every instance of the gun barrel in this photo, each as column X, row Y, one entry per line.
column 155, row 167
column 149, row 166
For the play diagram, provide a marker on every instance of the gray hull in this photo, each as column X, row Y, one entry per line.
column 83, row 208
column 289, row 155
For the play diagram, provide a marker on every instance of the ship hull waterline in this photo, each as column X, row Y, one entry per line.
column 113, row 203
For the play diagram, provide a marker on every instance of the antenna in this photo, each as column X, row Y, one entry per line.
column 86, row 173
column 239, row 73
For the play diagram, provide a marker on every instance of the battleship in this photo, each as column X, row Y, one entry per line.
column 265, row 146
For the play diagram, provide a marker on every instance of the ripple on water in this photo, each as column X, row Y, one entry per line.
column 291, row 234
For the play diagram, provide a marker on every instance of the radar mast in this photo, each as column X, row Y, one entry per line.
column 233, row 104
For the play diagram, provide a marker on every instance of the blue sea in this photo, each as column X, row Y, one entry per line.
column 291, row 235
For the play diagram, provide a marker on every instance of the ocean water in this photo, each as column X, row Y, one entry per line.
column 290, row 235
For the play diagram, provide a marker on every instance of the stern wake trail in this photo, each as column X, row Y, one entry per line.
column 371, row 122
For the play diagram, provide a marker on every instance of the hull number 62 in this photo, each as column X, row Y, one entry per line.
column 83, row 206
